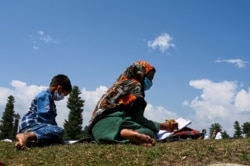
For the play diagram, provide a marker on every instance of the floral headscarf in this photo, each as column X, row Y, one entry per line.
column 127, row 88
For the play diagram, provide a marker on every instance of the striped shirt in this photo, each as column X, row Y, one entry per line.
column 41, row 111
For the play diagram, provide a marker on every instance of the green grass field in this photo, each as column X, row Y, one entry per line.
column 189, row 152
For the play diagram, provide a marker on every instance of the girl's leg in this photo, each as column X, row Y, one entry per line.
column 137, row 137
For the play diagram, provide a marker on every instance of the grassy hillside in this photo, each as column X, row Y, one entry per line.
column 190, row 152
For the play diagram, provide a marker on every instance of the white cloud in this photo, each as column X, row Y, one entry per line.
column 219, row 102
column 35, row 47
column 163, row 42
column 40, row 38
column 24, row 94
column 242, row 101
column 91, row 98
column 239, row 63
column 45, row 38
column 159, row 113
column 40, row 32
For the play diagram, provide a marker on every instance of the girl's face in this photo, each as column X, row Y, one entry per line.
column 150, row 75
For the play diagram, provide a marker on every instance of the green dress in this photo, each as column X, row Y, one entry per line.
column 107, row 130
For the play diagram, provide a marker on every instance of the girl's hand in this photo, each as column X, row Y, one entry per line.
column 169, row 125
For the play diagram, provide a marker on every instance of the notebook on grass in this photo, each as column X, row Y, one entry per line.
column 162, row 134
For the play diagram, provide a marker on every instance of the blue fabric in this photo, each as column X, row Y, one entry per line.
column 47, row 134
column 41, row 118
column 42, row 110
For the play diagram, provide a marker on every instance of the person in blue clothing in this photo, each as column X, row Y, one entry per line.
column 38, row 125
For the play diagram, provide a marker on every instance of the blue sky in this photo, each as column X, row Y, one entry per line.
column 200, row 50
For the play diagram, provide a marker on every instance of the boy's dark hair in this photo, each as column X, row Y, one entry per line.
column 62, row 80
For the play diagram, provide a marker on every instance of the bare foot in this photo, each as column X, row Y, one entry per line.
column 23, row 139
column 137, row 137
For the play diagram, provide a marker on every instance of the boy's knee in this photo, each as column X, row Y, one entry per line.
column 60, row 131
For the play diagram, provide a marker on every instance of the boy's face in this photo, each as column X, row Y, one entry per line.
column 61, row 91
column 65, row 93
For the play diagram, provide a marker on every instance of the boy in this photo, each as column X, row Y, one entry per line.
column 39, row 126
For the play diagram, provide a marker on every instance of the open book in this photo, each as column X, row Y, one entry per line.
column 162, row 134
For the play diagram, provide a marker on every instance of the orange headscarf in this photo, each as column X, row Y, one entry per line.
column 127, row 88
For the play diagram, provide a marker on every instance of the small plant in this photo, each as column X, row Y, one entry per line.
column 245, row 156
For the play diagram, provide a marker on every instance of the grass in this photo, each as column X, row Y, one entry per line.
column 190, row 152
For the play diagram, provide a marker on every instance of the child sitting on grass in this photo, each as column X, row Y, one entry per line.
column 39, row 126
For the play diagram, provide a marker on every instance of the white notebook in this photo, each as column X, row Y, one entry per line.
column 162, row 134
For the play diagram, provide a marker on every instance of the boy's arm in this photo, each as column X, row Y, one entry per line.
column 46, row 114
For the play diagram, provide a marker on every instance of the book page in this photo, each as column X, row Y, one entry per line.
column 162, row 134
column 182, row 123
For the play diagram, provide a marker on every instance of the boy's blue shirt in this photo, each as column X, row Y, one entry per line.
column 41, row 111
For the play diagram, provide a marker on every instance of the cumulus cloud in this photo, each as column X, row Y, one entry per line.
column 242, row 101
column 159, row 113
column 239, row 63
column 24, row 94
column 219, row 102
column 163, row 42
column 91, row 98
